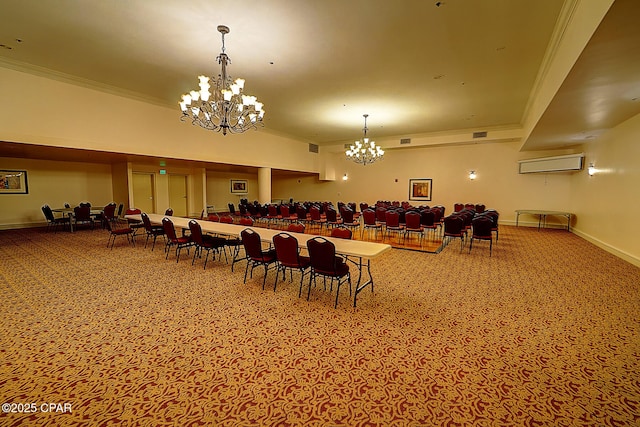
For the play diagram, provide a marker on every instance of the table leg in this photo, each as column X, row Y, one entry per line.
column 369, row 281
column 70, row 222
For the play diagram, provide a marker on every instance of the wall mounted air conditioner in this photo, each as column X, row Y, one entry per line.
column 570, row 162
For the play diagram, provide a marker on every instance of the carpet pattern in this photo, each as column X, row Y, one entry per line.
column 546, row 332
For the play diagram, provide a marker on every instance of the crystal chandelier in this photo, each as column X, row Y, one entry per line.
column 365, row 151
column 227, row 108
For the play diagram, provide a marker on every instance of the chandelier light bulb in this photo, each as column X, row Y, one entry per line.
column 364, row 151
column 220, row 104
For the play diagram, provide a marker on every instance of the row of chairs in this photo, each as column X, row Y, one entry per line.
column 322, row 260
column 285, row 254
column 481, row 226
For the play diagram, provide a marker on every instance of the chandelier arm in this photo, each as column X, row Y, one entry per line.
column 224, row 108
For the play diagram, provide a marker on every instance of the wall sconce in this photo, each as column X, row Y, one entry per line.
column 472, row 175
column 345, row 177
column 591, row 169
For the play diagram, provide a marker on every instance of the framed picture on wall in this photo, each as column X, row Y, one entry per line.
column 420, row 189
column 239, row 186
column 13, row 182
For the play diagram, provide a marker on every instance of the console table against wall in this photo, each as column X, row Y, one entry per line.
column 542, row 216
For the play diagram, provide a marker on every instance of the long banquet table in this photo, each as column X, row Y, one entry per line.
column 364, row 252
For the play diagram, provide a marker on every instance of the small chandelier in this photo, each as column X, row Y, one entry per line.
column 225, row 109
column 365, row 151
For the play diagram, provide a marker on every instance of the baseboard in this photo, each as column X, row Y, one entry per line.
column 22, row 225
column 612, row 250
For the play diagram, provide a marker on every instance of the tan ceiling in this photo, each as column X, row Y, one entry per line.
column 415, row 66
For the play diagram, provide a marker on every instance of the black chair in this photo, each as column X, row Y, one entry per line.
column 288, row 256
column 152, row 230
column 174, row 240
column 482, row 226
column 255, row 255
column 203, row 242
column 82, row 215
column 325, row 262
column 52, row 221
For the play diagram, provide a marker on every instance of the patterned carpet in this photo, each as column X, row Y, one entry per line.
column 546, row 332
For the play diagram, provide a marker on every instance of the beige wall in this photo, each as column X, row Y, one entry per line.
column 219, row 189
column 607, row 204
column 53, row 183
column 77, row 117
column 498, row 185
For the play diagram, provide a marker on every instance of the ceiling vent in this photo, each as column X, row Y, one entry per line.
column 313, row 148
column 405, row 141
column 479, row 135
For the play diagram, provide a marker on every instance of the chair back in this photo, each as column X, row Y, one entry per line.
column 284, row 211
column 296, row 227
column 48, row 213
column 252, row 244
column 286, row 249
column 341, row 233
column 347, row 215
column 146, row 221
column 168, row 212
column 133, row 211
column 381, row 214
column 226, row 219
column 427, row 218
column 87, row 204
column 272, row 210
column 196, row 232
column 369, row 217
column 363, row 206
column 453, row 225
column 392, row 218
column 457, row 207
column 482, row 226
column 437, row 214
column 331, row 214
column 412, row 220
column 323, row 254
column 232, row 208
column 67, row 205
column 120, row 208
column 301, row 212
column 82, row 213
column 169, row 229
column 109, row 212
column 314, row 212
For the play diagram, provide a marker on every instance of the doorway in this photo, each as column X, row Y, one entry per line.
column 143, row 192
column 178, row 200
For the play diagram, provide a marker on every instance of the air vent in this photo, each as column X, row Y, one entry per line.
column 313, row 148
column 479, row 135
column 405, row 141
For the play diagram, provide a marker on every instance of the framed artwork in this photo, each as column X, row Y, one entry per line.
column 13, row 182
column 239, row 186
column 420, row 189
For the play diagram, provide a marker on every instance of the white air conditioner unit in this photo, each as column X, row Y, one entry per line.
column 570, row 162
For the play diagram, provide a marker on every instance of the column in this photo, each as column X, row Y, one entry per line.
column 264, row 185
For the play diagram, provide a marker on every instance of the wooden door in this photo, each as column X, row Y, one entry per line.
column 178, row 194
column 143, row 192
